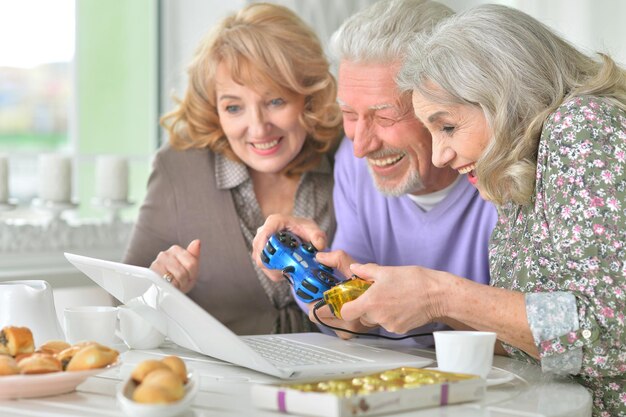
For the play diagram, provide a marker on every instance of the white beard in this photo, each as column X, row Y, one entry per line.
column 411, row 184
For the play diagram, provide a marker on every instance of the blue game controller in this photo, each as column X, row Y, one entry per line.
column 310, row 279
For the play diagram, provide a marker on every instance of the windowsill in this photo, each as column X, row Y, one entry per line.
column 33, row 247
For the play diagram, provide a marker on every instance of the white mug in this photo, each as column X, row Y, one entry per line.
column 91, row 323
column 465, row 352
column 136, row 331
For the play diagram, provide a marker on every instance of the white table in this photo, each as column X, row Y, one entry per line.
column 225, row 391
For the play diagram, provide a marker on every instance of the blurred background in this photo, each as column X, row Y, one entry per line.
column 86, row 78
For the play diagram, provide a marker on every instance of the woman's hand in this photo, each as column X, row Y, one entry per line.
column 400, row 298
column 403, row 298
column 180, row 265
column 304, row 228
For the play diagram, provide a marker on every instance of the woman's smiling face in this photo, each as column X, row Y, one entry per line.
column 262, row 125
column 460, row 132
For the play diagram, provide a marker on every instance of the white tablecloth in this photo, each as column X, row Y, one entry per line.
column 225, row 391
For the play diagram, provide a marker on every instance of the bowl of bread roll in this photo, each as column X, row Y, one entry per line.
column 158, row 388
column 54, row 367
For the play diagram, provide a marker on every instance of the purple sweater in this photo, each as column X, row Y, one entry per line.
column 394, row 231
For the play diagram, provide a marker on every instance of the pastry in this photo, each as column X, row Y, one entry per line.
column 166, row 379
column 145, row 367
column 160, row 382
column 67, row 354
column 53, row 347
column 16, row 340
column 8, row 366
column 39, row 363
column 152, row 394
column 21, row 356
column 92, row 356
column 177, row 365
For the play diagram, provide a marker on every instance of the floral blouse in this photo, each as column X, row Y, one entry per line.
column 567, row 250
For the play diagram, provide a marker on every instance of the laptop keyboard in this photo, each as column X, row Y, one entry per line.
column 288, row 352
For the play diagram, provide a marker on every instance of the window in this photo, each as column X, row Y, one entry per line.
column 79, row 77
column 36, row 57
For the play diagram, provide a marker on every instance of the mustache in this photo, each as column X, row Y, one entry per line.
column 383, row 153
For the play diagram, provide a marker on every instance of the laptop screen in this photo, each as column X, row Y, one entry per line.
column 187, row 324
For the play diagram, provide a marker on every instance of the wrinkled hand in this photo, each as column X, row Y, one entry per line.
column 181, row 264
column 340, row 261
column 329, row 318
column 400, row 298
column 306, row 229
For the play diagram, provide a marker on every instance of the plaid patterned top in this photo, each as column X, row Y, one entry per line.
column 313, row 200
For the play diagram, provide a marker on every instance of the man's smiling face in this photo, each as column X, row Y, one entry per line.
column 382, row 126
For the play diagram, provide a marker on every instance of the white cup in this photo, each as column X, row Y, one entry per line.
column 136, row 331
column 91, row 323
column 465, row 352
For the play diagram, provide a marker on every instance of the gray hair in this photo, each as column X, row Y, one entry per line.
column 518, row 72
column 382, row 32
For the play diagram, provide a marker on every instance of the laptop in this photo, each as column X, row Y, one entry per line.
column 297, row 356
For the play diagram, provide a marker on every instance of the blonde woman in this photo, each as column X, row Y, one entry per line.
column 250, row 138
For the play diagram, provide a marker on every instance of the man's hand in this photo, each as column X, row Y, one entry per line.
column 304, row 228
column 340, row 261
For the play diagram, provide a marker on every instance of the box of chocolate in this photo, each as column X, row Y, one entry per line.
column 384, row 392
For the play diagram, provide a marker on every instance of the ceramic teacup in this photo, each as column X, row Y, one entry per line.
column 91, row 323
column 466, row 352
column 136, row 331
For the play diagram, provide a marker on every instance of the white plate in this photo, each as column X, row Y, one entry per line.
column 496, row 376
column 42, row 385
column 499, row 376
column 134, row 409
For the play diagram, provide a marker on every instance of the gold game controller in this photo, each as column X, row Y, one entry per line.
column 347, row 291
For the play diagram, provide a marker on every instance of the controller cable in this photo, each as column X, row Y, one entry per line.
column 322, row 303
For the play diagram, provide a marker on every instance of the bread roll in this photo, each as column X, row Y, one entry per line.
column 152, row 394
column 16, row 340
column 166, row 379
column 92, row 356
column 177, row 365
column 145, row 367
column 8, row 366
column 21, row 356
column 53, row 347
column 39, row 363
column 66, row 355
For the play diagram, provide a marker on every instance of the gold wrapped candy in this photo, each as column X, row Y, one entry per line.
column 391, row 380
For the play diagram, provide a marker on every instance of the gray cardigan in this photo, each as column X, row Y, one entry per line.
column 183, row 203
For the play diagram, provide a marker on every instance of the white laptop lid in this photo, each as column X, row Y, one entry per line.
column 192, row 327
